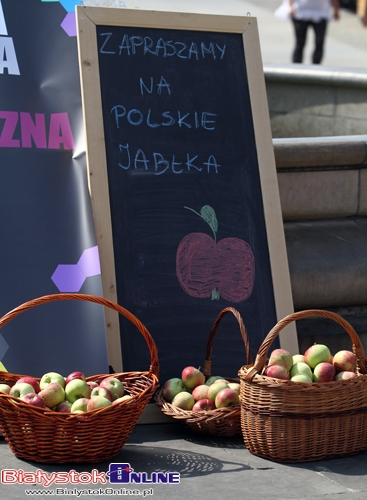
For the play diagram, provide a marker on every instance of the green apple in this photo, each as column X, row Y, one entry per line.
column 52, row 377
column 5, row 388
column 76, row 389
column 80, row 404
column 21, row 389
column 213, row 378
column 301, row 377
column 114, row 385
column 123, row 398
column 96, row 402
column 317, row 353
column 52, row 394
column 301, row 367
column 215, row 388
column 183, row 400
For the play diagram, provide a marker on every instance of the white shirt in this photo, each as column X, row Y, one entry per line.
column 313, row 10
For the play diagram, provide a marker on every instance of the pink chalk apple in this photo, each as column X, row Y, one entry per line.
column 96, row 402
column 102, row 391
column 183, row 400
column 192, row 377
column 74, row 375
column 33, row 399
column 215, row 388
column 114, row 385
column 52, row 394
column 32, row 381
column 226, row 397
column 323, row 372
column 345, row 361
column 317, row 353
column 281, row 357
column 204, row 404
column 277, row 371
column 200, row 392
column 63, row 407
column 345, row 375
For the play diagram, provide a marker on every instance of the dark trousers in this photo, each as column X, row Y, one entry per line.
column 300, row 30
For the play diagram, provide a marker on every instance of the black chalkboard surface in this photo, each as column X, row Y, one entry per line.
column 183, row 182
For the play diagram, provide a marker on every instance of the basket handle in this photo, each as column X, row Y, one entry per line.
column 154, row 366
column 262, row 354
column 207, row 369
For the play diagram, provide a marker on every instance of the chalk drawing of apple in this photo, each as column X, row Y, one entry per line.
column 207, row 268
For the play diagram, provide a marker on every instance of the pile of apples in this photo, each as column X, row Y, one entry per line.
column 191, row 391
column 317, row 364
column 71, row 394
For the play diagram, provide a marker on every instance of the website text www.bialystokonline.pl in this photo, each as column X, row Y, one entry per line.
column 91, row 491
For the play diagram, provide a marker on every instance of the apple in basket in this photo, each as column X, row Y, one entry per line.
column 235, row 386
column 63, row 407
column 204, row 405
column 5, row 388
column 52, row 394
column 345, row 361
column 345, row 375
column 76, row 389
column 126, row 398
column 96, row 402
column 323, row 372
column 200, row 392
column 281, row 357
column 212, row 379
column 74, row 375
column 183, row 400
column 114, row 385
column 34, row 399
column 102, row 391
column 301, row 377
column 80, row 404
column 172, row 387
column 92, row 384
column 317, row 353
column 52, row 377
column 32, row 381
column 301, row 367
column 192, row 377
column 226, row 397
column 21, row 389
column 277, row 371
column 215, row 388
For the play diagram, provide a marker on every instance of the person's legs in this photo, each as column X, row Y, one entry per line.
column 300, row 31
column 320, row 32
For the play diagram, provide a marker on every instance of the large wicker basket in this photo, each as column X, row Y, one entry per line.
column 221, row 421
column 51, row 437
column 287, row 421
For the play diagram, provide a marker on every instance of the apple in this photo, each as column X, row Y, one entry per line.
column 281, row 357
column 301, row 367
column 277, row 371
column 21, row 389
column 204, row 404
column 317, row 353
column 345, row 361
column 52, row 377
column 345, row 375
column 52, row 394
column 32, row 381
column 213, row 378
column 80, row 404
column 323, row 372
column 63, row 407
column 92, row 384
column 102, row 391
column 301, row 377
column 74, row 375
column 226, row 397
column 298, row 358
column 183, row 400
column 114, row 385
column 192, row 377
column 172, row 387
column 5, row 388
column 235, row 386
column 76, row 389
column 215, row 388
column 126, row 397
column 96, row 402
column 33, row 399
column 200, row 392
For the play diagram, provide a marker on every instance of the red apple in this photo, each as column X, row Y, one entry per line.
column 277, row 371
column 345, row 361
column 215, row 388
column 345, row 375
column 183, row 400
column 96, row 402
column 317, row 353
column 73, row 375
column 52, row 394
column 63, row 407
column 114, row 385
column 200, row 392
column 226, row 397
column 92, row 384
column 192, row 377
column 33, row 399
column 21, row 389
column 102, row 391
column 32, row 381
column 281, row 357
column 204, row 405
column 172, row 387
column 323, row 372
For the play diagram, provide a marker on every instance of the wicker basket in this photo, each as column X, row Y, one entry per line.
column 51, row 437
column 289, row 421
column 221, row 421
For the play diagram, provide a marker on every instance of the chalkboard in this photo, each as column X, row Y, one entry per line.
column 183, row 183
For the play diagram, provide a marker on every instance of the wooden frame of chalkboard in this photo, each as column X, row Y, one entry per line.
column 182, row 178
